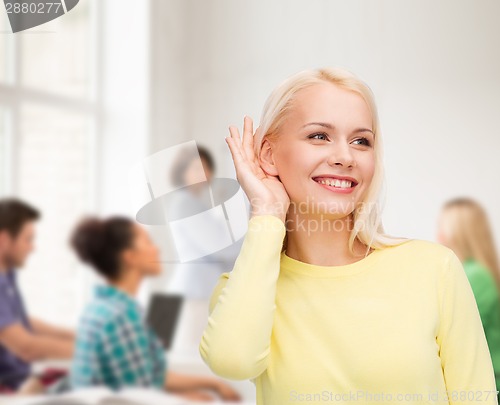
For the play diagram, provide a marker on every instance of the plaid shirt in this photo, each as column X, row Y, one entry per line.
column 114, row 346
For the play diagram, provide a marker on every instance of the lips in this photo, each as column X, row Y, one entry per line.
column 336, row 181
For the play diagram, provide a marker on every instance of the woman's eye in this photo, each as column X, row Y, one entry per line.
column 364, row 141
column 313, row 136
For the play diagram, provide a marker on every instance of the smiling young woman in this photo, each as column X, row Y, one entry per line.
column 321, row 304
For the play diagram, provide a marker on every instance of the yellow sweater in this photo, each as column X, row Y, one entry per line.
column 402, row 321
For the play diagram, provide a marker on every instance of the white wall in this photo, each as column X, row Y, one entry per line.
column 434, row 68
column 54, row 283
column 125, row 94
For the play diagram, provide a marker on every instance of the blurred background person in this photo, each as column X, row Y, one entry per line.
column 197, row 278
column 115, row 347
column 23, row 339
column 463, row 226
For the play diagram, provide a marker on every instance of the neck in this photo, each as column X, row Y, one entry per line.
column 3, row 265
column 129, row 282
column 321, row 241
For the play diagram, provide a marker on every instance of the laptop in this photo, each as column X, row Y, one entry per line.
column 163, row 316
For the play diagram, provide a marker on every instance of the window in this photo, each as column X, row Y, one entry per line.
column 48, row 130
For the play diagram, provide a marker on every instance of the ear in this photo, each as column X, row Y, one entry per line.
column 4, row 238
column 127, row 257
column 266, row 158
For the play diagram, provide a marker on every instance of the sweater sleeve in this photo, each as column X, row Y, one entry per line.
column 464, row 353
column 236, row 341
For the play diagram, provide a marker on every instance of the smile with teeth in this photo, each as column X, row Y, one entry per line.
column 335, row 183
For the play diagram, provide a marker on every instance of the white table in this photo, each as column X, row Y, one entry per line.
column 94, row 400
column 187, row 363
column 184, row 356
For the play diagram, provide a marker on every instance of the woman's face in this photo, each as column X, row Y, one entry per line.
column 326, row 137
column 144, row 254
column 197, row 171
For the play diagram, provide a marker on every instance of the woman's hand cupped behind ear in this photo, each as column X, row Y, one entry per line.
column 266, row 193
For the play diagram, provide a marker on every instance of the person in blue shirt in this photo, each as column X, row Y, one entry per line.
column 114, row 345
column 23, row 339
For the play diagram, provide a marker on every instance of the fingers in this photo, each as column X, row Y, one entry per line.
column 248, row 138
column 198, row 396
column 235, row 134
column 229, row 394
column 242, row 150
column 235, row 149
column 258, row 130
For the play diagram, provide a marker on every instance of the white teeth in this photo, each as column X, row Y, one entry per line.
column 336, row 183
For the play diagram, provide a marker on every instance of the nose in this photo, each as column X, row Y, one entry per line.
column 156, row 250
column 341, row 155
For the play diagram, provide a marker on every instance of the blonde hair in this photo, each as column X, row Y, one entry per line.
column 467, row 230
column 367, row 227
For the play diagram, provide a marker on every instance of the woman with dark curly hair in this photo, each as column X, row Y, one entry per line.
column 114, row 346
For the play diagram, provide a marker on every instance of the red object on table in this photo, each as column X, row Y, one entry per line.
column 6, row 390
column 51, row 375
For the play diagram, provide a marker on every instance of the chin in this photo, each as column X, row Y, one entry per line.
column 18, row 265
column 338, row 209
column 335, row 215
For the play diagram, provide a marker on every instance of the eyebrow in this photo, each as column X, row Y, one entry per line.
column 329, row 126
